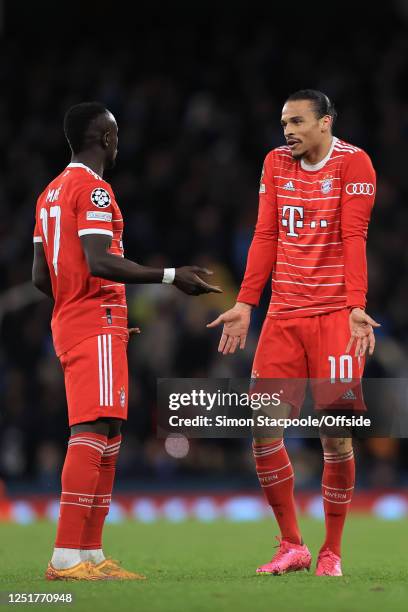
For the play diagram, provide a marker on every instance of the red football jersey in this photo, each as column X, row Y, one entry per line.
column 311, row 232
column 76, row 203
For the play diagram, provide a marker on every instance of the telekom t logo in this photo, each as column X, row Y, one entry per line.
column 290, row 219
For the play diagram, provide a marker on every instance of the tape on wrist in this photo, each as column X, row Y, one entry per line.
column 169, row 275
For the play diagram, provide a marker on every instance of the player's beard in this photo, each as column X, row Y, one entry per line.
column 297, row 155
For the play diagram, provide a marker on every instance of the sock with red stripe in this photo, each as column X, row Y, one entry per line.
column 275, row 475
column 91, row 539
column 337, row 490
column 79, row 480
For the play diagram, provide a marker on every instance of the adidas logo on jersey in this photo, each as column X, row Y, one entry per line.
column 289, row 186
column 348, row 395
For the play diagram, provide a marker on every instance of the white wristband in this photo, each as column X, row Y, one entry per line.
column 169, row 275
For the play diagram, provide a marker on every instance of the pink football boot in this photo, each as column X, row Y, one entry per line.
column 289, row 558
column 328, row 564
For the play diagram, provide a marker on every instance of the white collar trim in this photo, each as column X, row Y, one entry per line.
column 320, row 164
column 87, row 168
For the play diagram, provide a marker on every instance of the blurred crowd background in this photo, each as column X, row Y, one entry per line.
column 197, row 92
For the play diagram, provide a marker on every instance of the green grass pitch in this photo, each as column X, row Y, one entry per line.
column 195, row 566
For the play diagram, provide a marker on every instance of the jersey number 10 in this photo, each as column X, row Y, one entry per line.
column 344, row 361
column 55, row 212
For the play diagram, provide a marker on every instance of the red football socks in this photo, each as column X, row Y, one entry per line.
column 79, row 481
column 92, row 534
column 275, row 475
column 337, row 490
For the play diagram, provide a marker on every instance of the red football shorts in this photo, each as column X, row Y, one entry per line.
column 311, row 348
column 96, row 379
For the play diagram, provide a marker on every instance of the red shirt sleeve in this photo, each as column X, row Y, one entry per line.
column 94, row 208
column 358, row 193
column 262, row 252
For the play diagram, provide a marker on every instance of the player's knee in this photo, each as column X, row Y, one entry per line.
column 269, row 423
column 268, row 440
column 98, row 427
column 336, row 445
column 115, row 426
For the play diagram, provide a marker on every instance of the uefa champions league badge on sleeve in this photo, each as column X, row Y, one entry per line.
column 100, row 198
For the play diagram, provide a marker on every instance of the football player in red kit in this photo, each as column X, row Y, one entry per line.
column 315, row 200
column 79, row 262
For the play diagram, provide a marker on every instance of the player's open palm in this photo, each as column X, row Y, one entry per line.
column 236, row 324
column 362, row 332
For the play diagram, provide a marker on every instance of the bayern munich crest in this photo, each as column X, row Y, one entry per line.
column 326, row 185
column 100, row 198
column 122, row 397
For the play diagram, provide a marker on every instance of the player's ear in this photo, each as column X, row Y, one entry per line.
column 106, row 139
column 325, row 123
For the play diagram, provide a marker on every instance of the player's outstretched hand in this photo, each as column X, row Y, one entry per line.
column 362, row 332
column 236, row 324
column 187, row 279
column 134, row 330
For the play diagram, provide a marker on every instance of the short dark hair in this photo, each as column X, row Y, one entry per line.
column 77, row 120
column 322, row 103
